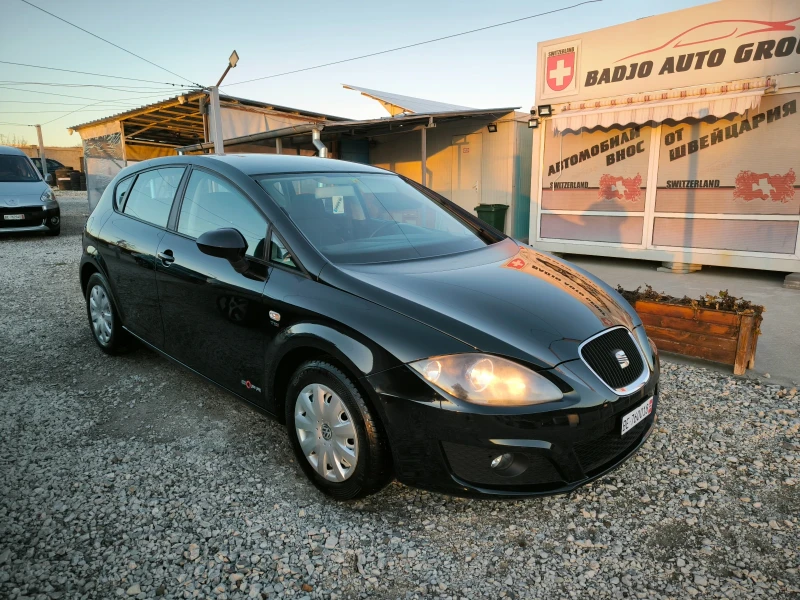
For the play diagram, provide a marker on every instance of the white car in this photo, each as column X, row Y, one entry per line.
column 26, row 202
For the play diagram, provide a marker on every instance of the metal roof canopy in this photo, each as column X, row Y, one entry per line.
column 355, row 129
column 396, row 104
column 178, row 121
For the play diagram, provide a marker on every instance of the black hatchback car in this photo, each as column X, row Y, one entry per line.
column 394, row 333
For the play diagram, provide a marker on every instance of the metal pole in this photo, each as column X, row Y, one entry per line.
column 216, row 120
column 316, row 140
column 41, row 152
column 228, row 68
column 424, row 133
column 278, row 146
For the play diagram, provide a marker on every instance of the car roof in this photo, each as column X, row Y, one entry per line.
column 11, row 150
column 258, row 164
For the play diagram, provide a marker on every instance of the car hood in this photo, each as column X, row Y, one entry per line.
column 505, row 299
column 19, row 193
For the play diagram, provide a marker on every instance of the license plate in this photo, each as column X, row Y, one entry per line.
column 14, row 217
column 636, row 415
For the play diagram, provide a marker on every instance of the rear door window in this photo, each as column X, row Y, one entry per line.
column 151, row 197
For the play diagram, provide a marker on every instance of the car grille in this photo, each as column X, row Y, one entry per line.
column 471, row 463
column 34, row 216
column 600, row 354
column 598, row 452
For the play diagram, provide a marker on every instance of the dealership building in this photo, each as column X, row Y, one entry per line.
column 673, row 138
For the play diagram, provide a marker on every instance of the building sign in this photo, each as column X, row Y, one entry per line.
column 560, row 64
column 722, row 41
column 744, row 167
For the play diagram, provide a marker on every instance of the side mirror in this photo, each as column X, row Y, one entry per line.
column 225, row 243
column 49, row 179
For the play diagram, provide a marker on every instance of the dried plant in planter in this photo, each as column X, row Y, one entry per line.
column 721, row 301
column 721, row 327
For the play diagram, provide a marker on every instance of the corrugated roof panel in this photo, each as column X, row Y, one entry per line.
column 409, row 103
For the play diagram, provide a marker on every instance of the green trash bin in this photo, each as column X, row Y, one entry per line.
column 493, row 214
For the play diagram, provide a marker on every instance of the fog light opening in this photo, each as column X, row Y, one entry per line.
column 510, row 464
column 54, row 220
column 502, row 462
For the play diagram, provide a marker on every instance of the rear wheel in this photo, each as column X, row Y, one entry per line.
column 104, row 321
column 335, row 435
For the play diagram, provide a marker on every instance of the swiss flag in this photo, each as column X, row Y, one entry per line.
column 560, row 71
column 763, row 186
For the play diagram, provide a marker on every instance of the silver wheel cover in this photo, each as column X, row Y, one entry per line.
column 326, row 432
column 100, row 312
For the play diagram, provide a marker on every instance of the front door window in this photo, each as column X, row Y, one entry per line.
column 212, row 203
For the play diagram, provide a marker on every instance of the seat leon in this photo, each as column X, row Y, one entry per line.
column 394, row 333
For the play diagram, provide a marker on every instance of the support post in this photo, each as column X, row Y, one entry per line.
column 42, row 157
column 424, row 154
column 215, row 114
column 744, row 344
column 278, row 146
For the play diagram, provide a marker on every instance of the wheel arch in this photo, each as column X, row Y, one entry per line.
column 88, row 269
column 312, row 341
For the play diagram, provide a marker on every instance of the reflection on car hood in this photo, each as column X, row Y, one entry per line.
column 504, row 299
column 21, row 190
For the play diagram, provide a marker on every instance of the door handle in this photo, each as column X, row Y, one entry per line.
column 166, row 257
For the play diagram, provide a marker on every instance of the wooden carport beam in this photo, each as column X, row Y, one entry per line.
column 151, row 109
column 157, row 123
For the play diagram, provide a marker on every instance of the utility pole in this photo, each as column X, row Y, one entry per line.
column 41, row 152
column 215, row 112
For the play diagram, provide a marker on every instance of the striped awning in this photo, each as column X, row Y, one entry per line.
column 709, row 101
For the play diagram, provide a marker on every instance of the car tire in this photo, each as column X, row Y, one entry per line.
column 352, row 453
column 54, row 232
column 104, row 321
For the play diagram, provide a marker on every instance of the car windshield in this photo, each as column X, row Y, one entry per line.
column 14, row 168
column 367, row 218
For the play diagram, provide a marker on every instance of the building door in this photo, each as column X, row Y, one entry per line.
column 466, row 175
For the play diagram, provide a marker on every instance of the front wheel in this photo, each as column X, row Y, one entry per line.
column 336, row 437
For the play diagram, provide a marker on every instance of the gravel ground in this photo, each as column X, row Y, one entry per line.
column 128, row 477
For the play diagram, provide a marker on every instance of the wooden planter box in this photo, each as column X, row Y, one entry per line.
column 717, row 335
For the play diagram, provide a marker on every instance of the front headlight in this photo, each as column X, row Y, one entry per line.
column 48, row 196
column 488, row 380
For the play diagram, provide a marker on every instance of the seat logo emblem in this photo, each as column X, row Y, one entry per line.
column 622, row 359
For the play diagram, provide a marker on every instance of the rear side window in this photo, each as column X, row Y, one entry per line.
column 151, row 197
column 212, row 203
column 121, row 194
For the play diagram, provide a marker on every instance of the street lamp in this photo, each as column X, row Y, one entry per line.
column 234, row 58
column 214, row 107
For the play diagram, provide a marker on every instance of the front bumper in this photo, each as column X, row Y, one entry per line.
column 556, row 448
column 35, row 218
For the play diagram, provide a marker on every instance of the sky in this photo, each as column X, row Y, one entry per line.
column 193, row 39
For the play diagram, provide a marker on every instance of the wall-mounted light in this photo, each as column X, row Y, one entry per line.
column 492, row 127
column 533, row 123
column 545, row 110
column 533, row 111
